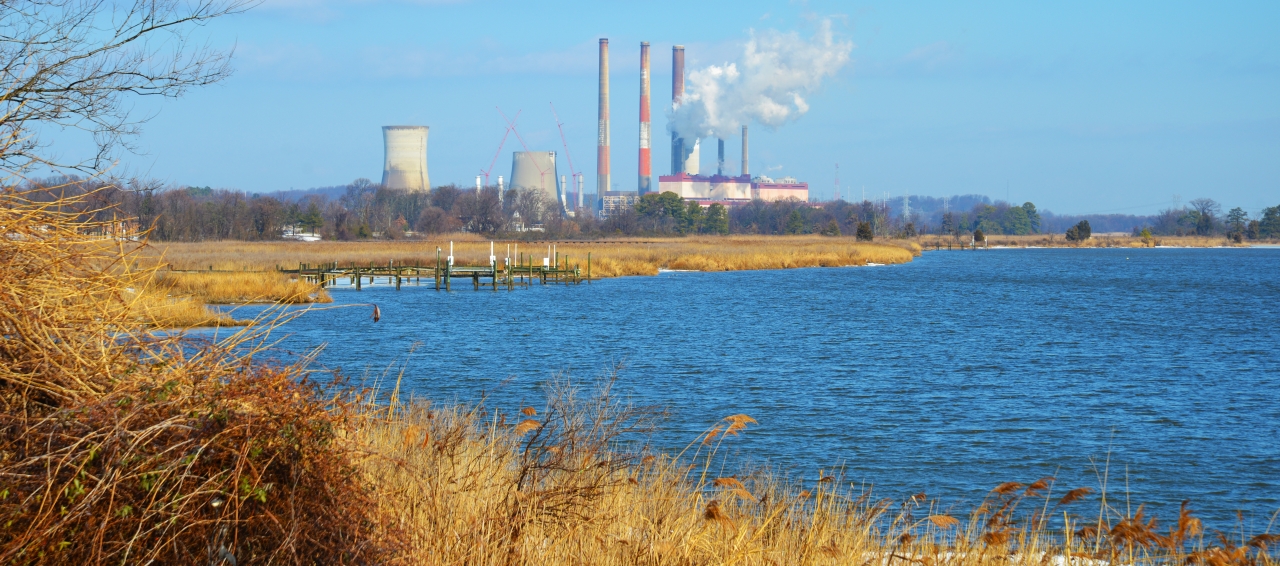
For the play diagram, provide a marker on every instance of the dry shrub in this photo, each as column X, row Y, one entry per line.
column 119, row 446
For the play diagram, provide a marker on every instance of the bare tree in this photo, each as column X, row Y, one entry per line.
column 71, row 64
column 532, row 205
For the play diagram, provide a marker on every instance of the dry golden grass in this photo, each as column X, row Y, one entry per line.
column 553, row 486
column 1097, row 241
column 154, row 308
column 119, row 445
column 609, row 258
column 241, row 287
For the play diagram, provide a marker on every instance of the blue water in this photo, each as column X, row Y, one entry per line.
column 948, row 375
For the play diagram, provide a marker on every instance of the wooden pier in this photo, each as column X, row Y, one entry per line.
column 507, row 273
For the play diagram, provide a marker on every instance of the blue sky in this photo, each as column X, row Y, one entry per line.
column 1080, row 107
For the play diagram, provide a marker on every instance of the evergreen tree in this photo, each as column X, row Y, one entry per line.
column 1033, row 216
column 795, row 223
column 1016, row 221
column 717, row 220
column 692, row 218
column 1080, row 232
column 1236, row 220
column 311, row 220
column 864, row 232
column 831, row 229
column 1269, row 226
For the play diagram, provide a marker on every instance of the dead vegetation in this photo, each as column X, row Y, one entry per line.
column 120, row 446
column 571, row 483
column 240, row 287
column 609, row 258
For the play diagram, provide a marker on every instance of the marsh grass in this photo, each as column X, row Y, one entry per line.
column 240, row 287
column 609, row 258
column 155, row 308
column 122, row 446
column 571, row 482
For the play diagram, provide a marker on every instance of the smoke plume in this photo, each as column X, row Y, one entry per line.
column 766, row 85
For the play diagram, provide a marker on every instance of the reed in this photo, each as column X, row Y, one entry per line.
column 241, row 287
column 118, row 445
column 609, row 258
column 556, row 484
column 154, row 308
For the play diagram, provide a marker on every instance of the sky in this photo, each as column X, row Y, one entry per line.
column 1079, row 107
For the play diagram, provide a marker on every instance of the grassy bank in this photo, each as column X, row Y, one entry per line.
column 239, row 288
column 609, row 258
column 120, row 446
column 929, row 242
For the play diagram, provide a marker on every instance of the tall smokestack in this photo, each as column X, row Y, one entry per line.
column 745, row 170
column 720, row 162
column 677, row 92
column 646, row 160
column 603, row 180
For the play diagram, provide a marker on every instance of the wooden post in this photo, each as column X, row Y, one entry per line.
column 357, row 278
column 437, row 272
column 397, row 278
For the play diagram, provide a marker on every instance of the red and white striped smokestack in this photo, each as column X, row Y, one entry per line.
column 677, row 92
column 603, row 181
column 646, row 160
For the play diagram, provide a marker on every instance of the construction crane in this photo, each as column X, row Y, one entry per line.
column 510, row 126
column 577, row 186
column 542, row 173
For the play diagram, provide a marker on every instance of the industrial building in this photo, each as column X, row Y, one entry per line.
column 405, row 166
column 536, row 170
column 732, row 190
column 685, row 178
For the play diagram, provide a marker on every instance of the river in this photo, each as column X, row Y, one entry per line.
column 948, row 375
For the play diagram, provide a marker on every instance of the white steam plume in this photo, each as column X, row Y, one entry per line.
column 767, row 85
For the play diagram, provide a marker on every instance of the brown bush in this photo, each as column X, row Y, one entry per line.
column 124, row 447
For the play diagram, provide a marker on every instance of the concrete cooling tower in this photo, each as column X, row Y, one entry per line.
column 406, row 163
column 536, row 170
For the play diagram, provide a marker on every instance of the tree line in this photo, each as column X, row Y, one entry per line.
column 366, row 210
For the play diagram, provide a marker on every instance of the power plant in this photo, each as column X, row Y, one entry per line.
column 536, row 170
column 405, row 166
column 685, row 181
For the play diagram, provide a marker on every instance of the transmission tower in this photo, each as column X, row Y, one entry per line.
column 837, row 181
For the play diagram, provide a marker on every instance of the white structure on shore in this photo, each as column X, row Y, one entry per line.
column 406, row 158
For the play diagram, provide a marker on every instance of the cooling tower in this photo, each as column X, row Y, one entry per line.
column 406, row 158
column 603, row 178
column 646, row 162
column 536, row 170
